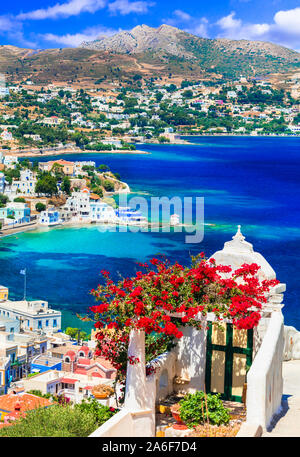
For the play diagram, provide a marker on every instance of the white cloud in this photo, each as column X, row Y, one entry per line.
column 188, row 23
column 288, row 21
column 126, row 7
column 6, row 24
column 63, row 10
column 284, row 30
column 13, row 29
column 235, row 29
column 73, row 40
column 182, row 15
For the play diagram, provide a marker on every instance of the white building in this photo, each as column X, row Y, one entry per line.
column 25, row 185
column 50, row 217
column 6, row 135
column 74, row 386
column 2, row 183
column 102, row 212
column 33, row 315
column 77, row 206
column 10, row 161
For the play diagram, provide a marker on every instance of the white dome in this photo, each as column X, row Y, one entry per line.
column 238, row 251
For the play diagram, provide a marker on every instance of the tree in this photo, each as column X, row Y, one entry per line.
column 40, row 207
column 46, row 185
column 58, row 170
column 19, row 200
column 108, row 185
column 3, row 200
column 97, row 191
column 66, row 185
column 73, row 333
column 103, row 167
column 187, row 94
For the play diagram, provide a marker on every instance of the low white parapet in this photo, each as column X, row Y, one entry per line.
column 250, row 431
column 264, row 379
column 126, row 424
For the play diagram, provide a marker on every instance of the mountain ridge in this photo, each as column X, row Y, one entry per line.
column 162, row 52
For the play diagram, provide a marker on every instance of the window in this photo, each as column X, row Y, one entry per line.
column 54, row 323
column 40, row 324
column 47, row 323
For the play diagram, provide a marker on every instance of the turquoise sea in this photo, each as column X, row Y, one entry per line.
column 249, row 181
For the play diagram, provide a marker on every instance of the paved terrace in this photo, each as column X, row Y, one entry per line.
column 288, row 423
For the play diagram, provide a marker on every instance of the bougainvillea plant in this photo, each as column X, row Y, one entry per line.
column 163, row 297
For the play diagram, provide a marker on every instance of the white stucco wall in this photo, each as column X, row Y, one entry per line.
column 191, row 359
column 264, row 379
column 291, row 343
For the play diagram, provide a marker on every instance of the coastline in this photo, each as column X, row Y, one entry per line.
column 21, row 229
column 238, row 136
column 68, row 151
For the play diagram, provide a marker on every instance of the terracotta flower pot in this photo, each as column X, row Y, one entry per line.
column 100, row 396
column 180, row 427
column 176, row 414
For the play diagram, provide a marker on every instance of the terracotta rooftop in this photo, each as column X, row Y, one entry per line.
column 69, row 380
column 105, row 363
column 94, row 197
column 22, row 402
column 83, row 361
column 62, row 349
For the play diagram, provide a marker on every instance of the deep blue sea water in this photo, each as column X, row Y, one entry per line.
column 249, row 181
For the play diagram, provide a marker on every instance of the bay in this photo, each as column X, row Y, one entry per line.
column 244, row 180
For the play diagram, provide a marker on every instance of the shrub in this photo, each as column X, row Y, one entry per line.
column 54, row 421
column 195, row 409
column 100, row 412
column 19, row 200
column 108, row 186
column 40, row 207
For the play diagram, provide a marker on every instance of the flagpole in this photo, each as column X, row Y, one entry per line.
column 25, row 285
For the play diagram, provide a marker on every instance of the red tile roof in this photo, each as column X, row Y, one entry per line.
column 22, row 402
column 84, row 349
column 69, row 380
column 83, row 361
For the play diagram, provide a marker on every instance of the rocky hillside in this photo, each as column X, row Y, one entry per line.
column 142, row 39
column 163, row 52
column 229, row 57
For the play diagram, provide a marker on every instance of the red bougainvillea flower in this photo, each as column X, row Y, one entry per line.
column 164, row 297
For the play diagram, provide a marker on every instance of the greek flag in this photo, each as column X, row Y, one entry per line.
column 23, row 272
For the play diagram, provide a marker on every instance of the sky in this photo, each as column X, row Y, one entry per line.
column 67, row 23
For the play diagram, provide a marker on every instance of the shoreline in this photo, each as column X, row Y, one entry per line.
column 239, row 136
column 34, row 154
column 14, row 231
column 68, row 152
column 81, row 224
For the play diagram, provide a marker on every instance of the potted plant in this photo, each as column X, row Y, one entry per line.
column 200, row 408
column 175, row 410
column 102, row 391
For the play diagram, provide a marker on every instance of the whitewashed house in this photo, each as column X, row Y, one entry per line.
column 50, row 217
column 33, row 315
column 2, row 183
column 10, row 161
column 25, row 185
column 102, row 212
column 77, row 207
